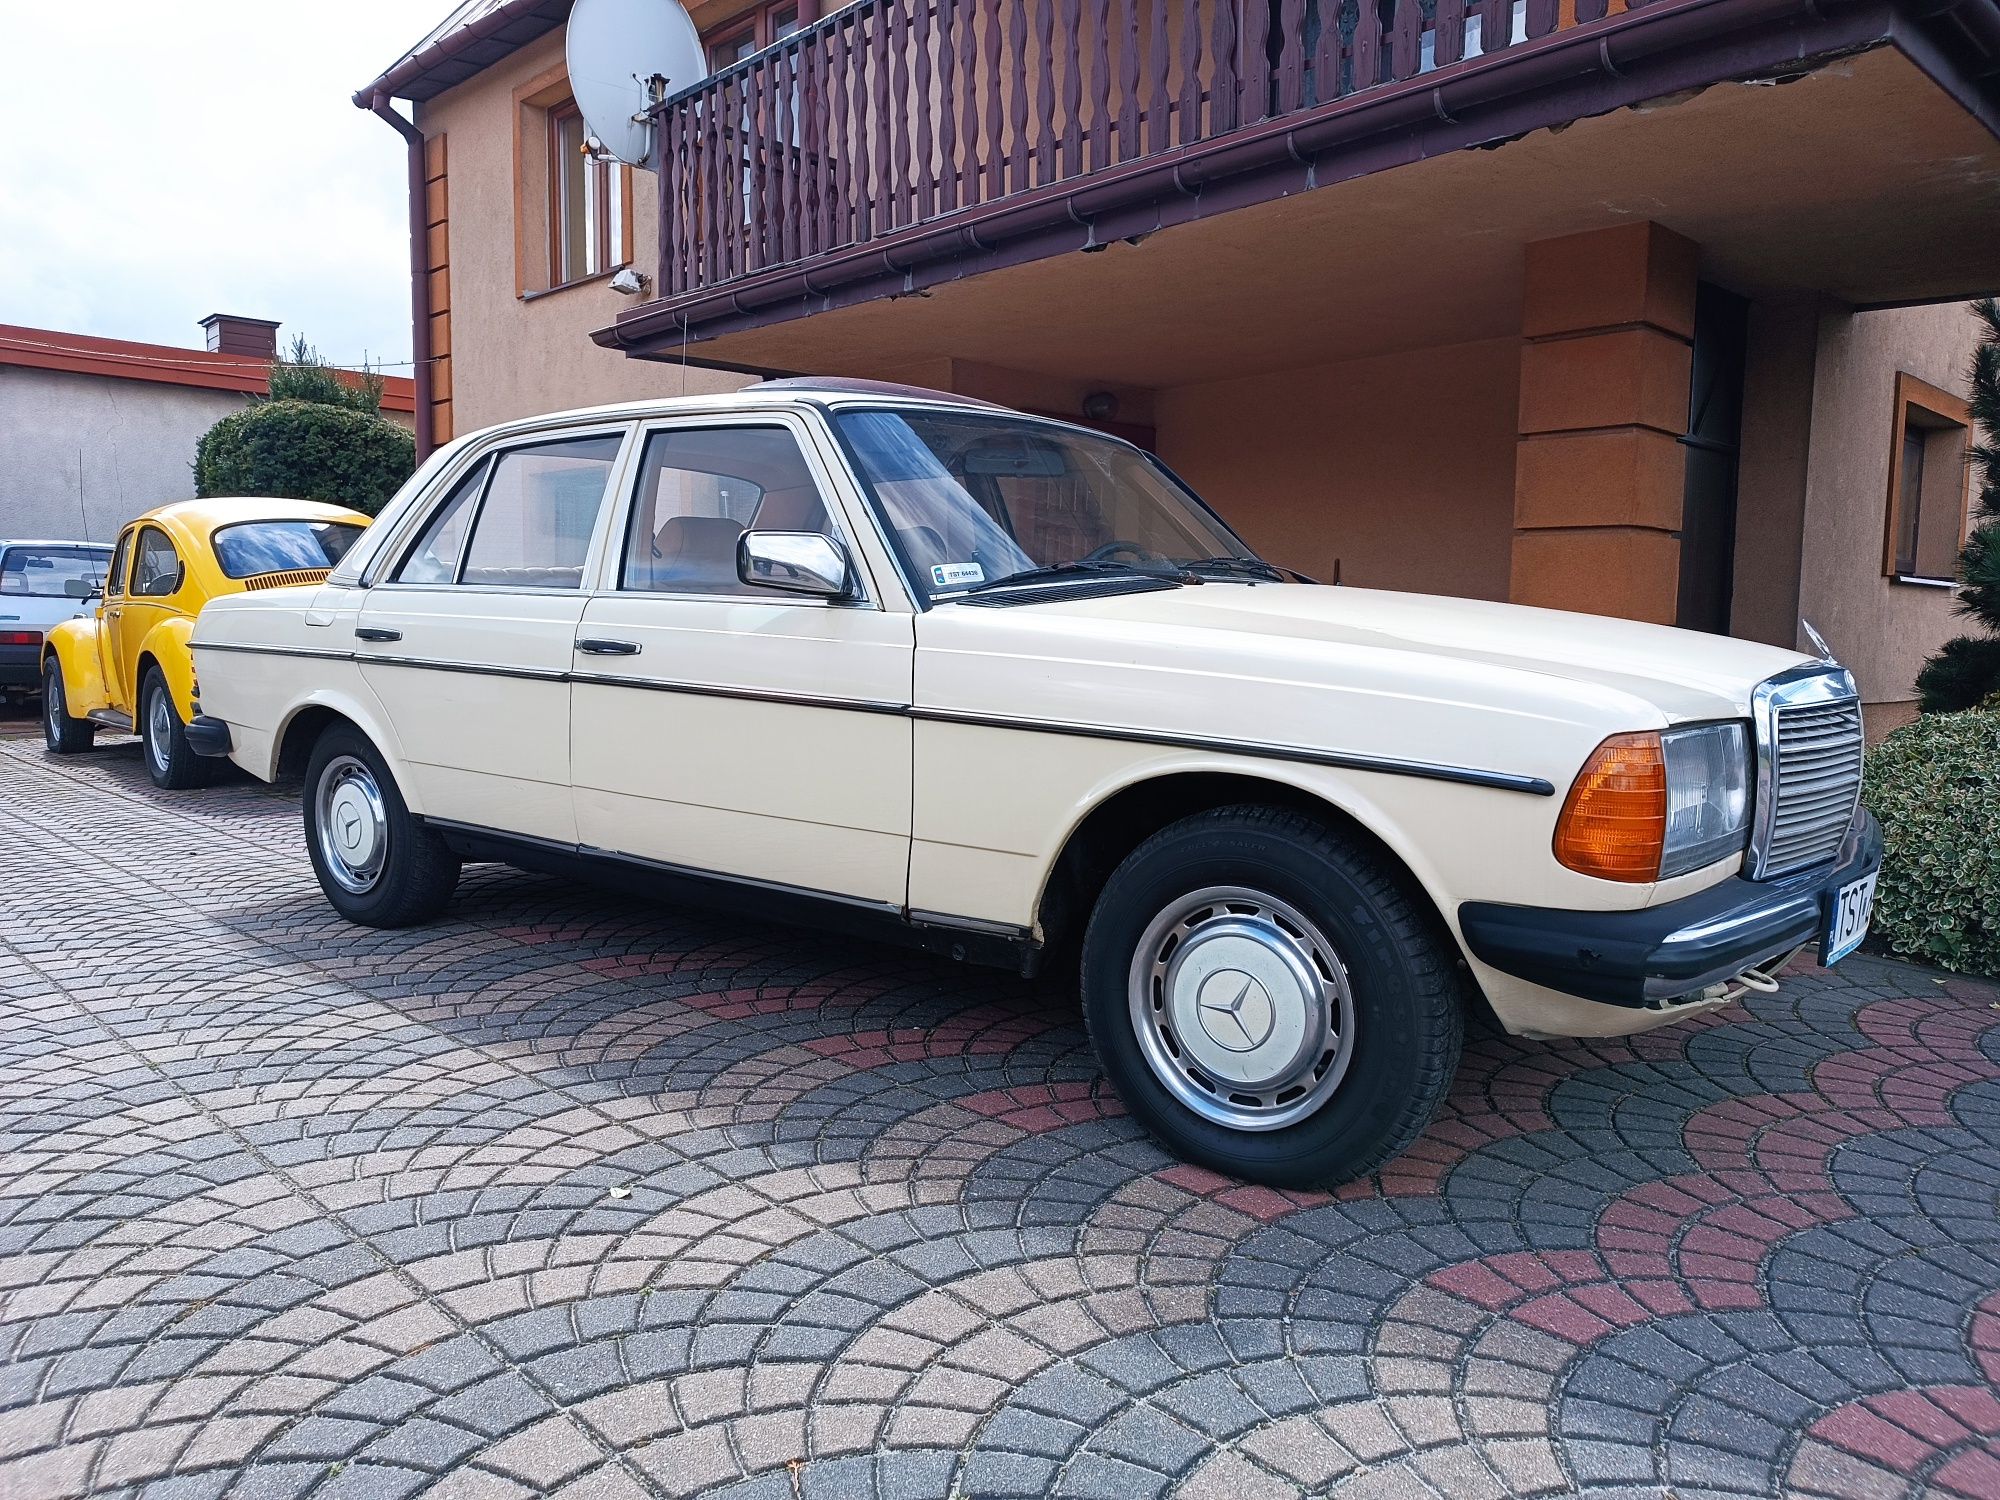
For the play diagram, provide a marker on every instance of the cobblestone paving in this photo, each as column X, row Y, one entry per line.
column 572, row 1195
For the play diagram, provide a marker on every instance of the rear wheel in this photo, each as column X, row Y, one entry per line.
column 1269, row 1000
column 62, row 734
column 377, row 863
column 170, row 759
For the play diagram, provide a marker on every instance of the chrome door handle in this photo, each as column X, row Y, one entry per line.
column 608, row 648
column 376, row 633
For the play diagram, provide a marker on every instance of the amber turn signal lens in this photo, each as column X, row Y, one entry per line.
column 1614, row 822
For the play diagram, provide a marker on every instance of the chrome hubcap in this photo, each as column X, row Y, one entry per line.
column 353, row 828
column 52, row 704
column 159, row 728
column 1241, row 1008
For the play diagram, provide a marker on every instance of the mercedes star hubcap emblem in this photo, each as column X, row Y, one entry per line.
column 1236, row 1010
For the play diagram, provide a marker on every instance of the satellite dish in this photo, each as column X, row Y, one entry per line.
column 616, row 49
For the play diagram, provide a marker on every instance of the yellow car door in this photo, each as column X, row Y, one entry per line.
column 110, row 613
column 157, row 575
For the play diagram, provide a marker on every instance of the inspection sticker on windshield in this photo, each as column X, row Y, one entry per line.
column 952, row 575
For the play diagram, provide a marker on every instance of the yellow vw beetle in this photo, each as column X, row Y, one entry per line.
column 128, row 667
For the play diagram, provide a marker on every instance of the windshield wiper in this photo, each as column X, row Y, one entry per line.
column 1243, row 567
column 1085, row 567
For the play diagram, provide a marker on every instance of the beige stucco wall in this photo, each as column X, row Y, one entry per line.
column 1885, row 630
column 1400, row 467
column 513, row 356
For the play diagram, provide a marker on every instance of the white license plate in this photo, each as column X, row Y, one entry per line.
column 1847, row 914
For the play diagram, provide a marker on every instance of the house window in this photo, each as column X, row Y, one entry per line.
column 1927, row 484
column 587, row 205
column 752, row 33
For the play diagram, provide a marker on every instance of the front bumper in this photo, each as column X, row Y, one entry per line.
column 1662, row 953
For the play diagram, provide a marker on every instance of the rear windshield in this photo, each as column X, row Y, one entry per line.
column 253, row 547
column 54, row 572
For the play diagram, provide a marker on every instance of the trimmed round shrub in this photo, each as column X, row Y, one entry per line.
column 306, row 450
column 1935, row 785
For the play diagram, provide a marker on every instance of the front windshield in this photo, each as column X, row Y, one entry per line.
column 250, row 548
column 971, row 499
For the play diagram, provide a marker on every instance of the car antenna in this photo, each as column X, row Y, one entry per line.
column 82, row 511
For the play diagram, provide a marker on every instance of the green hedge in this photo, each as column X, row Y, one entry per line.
column 305, row 450
column 1935, row 785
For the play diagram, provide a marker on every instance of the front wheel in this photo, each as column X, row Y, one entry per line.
column 62, row 734
column 377, row 863
column 170, row 759
column 1268, row 999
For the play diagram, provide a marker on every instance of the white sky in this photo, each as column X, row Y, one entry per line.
column 161, row 160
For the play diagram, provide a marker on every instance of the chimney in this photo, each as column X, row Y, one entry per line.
column 228, row 334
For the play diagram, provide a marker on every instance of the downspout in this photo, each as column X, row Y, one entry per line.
column 420, row 281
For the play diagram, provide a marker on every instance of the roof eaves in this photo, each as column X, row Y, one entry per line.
column 470, row 49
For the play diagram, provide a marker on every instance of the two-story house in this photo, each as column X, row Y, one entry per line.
column 1643, row 309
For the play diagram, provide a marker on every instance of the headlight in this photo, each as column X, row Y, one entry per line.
column 1708, row 796
column 1646, row 806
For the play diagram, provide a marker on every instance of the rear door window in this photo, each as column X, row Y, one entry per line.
column 540, row 510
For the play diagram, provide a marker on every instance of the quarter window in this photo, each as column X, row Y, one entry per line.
column 698, row 491
column 540, row 508
column 157, row 572
column 434, row 559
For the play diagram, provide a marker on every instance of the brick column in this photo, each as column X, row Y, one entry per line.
column 1608, row 322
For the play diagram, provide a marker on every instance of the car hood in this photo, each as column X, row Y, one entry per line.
column 1683, row 674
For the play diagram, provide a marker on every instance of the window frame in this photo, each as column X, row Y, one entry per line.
column 760, row 24
column 614, row 181
column 1948, row 411
column 833, row 491
column 139, row 546
column 120, row 567
column 411, row 529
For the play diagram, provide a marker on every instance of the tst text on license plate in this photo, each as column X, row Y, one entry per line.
column 1847, row 913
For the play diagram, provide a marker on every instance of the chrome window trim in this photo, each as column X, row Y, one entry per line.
column 1817, row 685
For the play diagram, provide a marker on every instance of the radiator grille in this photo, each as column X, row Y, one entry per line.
column 287, row 580
column 1817, row 764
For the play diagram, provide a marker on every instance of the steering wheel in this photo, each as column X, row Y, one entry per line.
column 1111, row 550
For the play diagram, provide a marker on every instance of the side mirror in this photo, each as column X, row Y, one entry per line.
column 799, row 562
column 82, row 588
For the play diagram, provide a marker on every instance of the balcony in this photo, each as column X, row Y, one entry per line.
column 898, row 144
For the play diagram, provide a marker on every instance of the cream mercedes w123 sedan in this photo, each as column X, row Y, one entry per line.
column 1002, row 687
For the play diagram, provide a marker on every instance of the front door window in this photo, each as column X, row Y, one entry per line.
column 699, row 490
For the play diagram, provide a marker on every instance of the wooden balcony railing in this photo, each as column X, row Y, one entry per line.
column 890, row 114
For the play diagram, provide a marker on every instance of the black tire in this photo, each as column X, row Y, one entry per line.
column 170, row 759
column 1404, row 1017
column 62, row 734
column 409, row 876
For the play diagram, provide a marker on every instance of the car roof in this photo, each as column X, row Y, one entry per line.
column 221, row 510
column 52, row 541
column 788, row 394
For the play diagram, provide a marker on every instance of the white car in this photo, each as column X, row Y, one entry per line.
column 907, row 664
column 42, row 583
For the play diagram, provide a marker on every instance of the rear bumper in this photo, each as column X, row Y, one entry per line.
column 208, row 736
column 1661, row 953
column 20, row 667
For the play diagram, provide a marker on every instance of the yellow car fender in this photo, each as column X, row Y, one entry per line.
column 73, row 644
column 166, row 645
